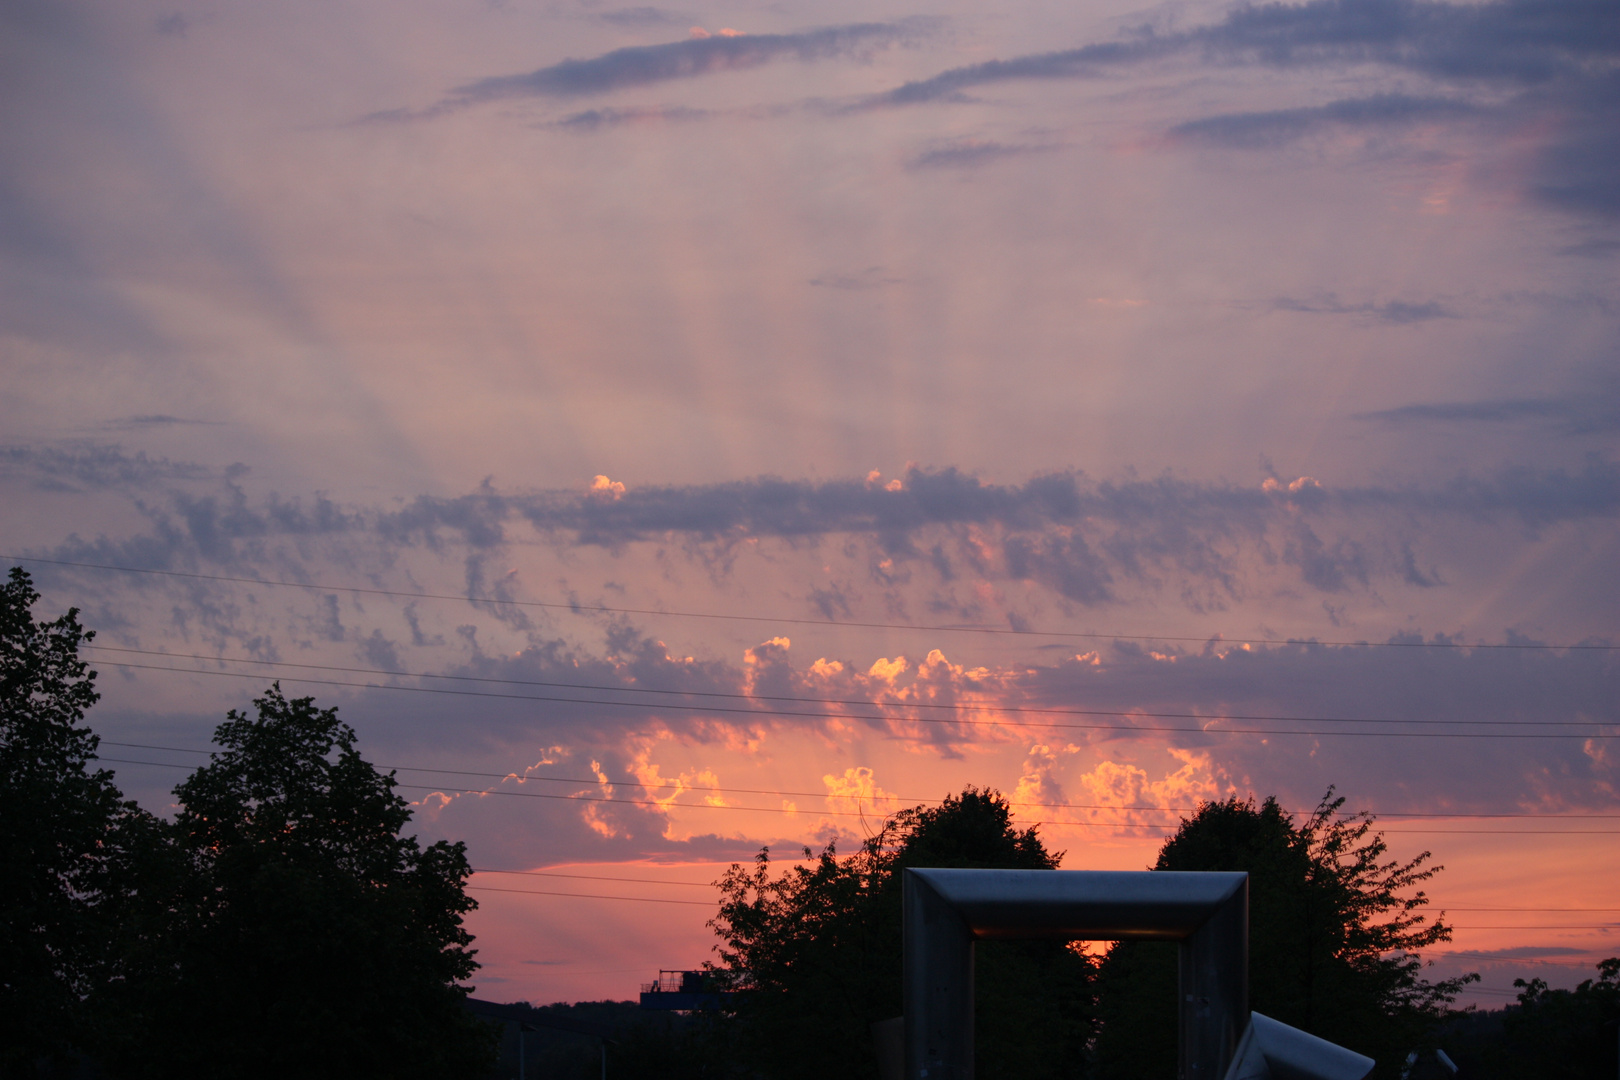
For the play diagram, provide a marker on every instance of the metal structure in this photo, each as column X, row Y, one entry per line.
column 1208, row 913
column 681, row 991
column 1271, row 1050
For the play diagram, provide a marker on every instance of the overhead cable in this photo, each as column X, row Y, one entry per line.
column 578, row 608
column 885, row 797
column 870, row 703
column 666, row 805
column 822, row 715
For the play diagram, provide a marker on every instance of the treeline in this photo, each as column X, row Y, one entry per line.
column 280, row 925
column 1556, row 1034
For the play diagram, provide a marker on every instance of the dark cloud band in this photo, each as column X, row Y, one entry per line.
column 1258, row 130
column 646, row 64
column 1079, row 538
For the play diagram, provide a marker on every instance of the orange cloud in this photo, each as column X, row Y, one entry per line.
column 1036, row 784
column 593, row 810
column 826, row 669
column 886, row 669
column 857, row 791
column 1111, row 783
column 1271, row 485
column 603, row 487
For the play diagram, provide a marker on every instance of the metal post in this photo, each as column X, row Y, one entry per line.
column 937, row 954
column 1213, row 986
column 523, row 1035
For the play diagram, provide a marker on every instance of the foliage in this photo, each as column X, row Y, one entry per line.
column 64, row 834
column 1335, row 930
column 304, row 935
column 1561, row 1034
column 1556, row 1034
column 818, row 950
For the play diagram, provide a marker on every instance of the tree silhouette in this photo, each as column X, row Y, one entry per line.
column 818, row 949
column 65, row 835
column 1564, row 1034
column 1334, row 933
column 306, row 936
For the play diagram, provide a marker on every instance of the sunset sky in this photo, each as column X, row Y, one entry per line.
column 666, row 432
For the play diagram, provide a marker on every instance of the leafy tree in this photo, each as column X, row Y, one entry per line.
column 1334, row 934
column 818, row 949
column 306, row 936
column 65, row 834
column 1561, row 1034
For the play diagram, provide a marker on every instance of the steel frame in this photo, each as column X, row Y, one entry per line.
column 946, row 911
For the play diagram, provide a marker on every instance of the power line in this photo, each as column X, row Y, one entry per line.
column 711, row 885
column 600, row 877
column 1538, row 909
column 597, row 799
column 940, row 629
column 593, row 781
column 790, row 713
column 647, row 802
column 590, row 896
column 698, row 903
column 1497, row 959
column 800, row 699
column 680, row 806
column 710, row 904
column 1162, row 827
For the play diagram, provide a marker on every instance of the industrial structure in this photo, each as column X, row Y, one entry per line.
column 682, row 991
column 945, row 911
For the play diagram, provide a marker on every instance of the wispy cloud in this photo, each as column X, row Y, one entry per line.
column 1577, row 415
column 1264, row 130
column 96, row 466
column 1523, row 952
column 1550, row 65
column 645, row 65
column 970, row 153
column 1594, row 248
column 1087, row 61
column 1398, row 312
column 594, row 120
column 1580, row 170
column 150, row 420
column 1513, row 41
column 871, row 277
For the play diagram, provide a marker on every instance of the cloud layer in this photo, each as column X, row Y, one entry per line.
column 1510, row 65
column 1080, row 539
